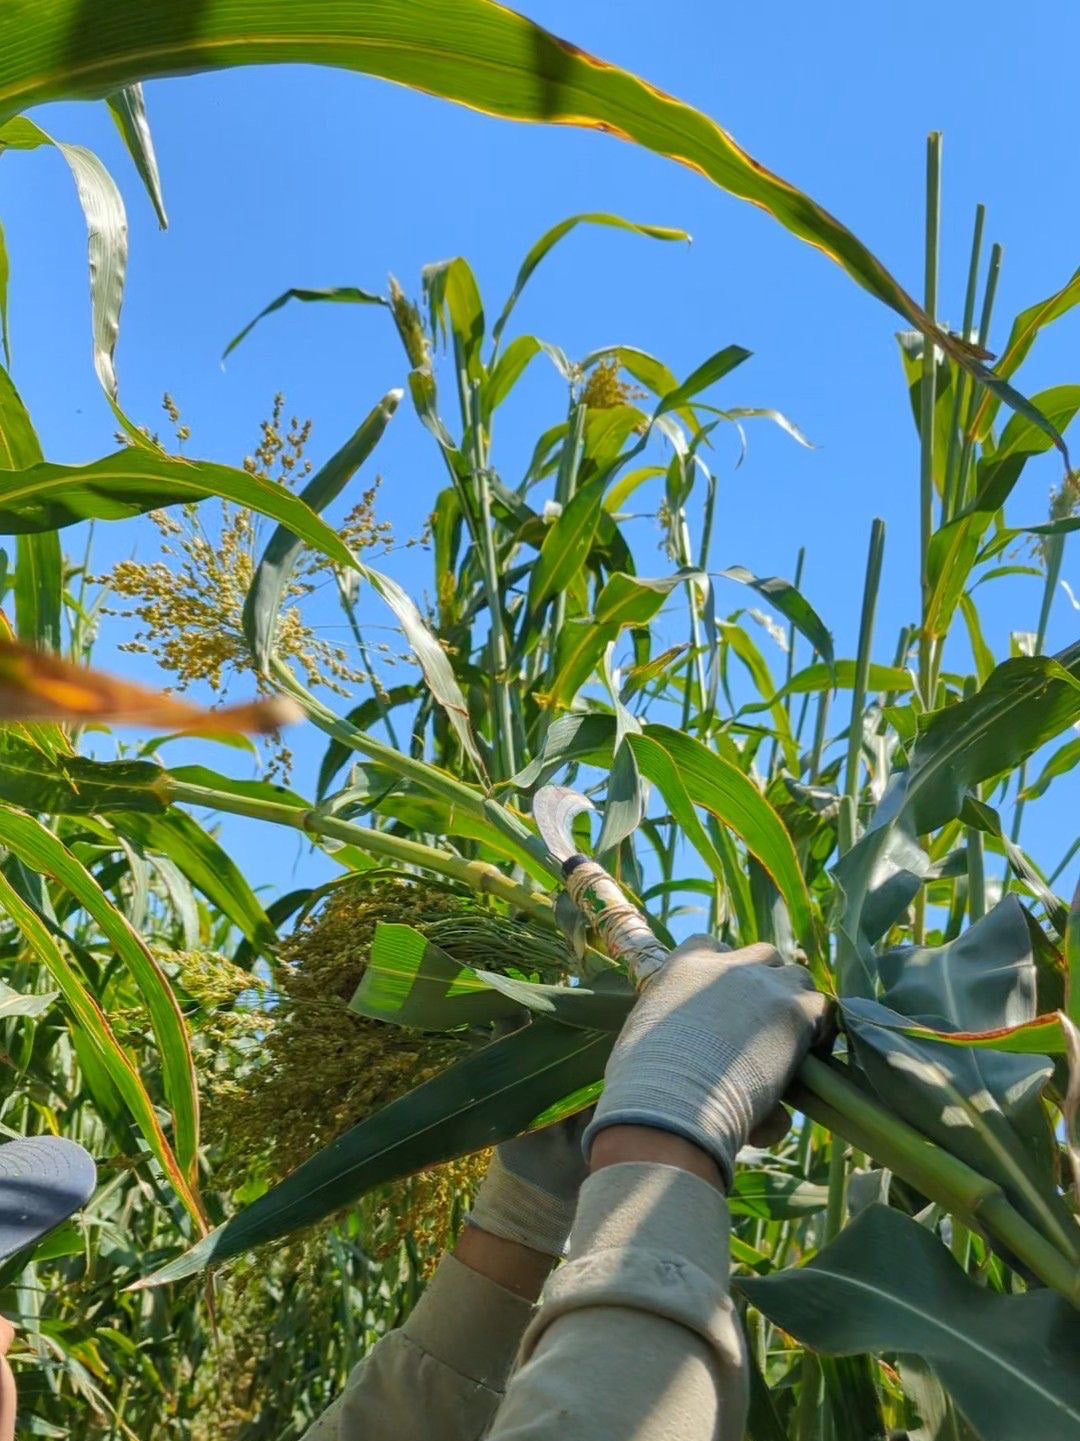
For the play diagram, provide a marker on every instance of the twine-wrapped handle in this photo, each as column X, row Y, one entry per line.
column 624, row 929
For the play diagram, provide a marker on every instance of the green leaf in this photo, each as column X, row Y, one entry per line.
column 94, row 1026
column 626, row 600
column 722, row 789
column 485, row 1098
column 955, row 547
column 706, row 374
column 551, row 238
column 106, row 224
column 1064, row 760
column 886, row 1285
column 14, row 1003
column 1022, row 336
column 41, row 851
column 791, row 603
column 72, row 785
column 1041, row 1036
column 412, row 982
column 5, row 271
column 841, row 676
column 39, row 589
column 207, row 866
column 262, row 604
column 128, row 109
column 456, row 311
column 19, row 445
column 134, row 480
column 983, row 1106
column 1072, row 960
column 334, row 295
column 567, row 544
column 983, row 980
column 488, row 58
column 1024, row 703
column 770, row 1195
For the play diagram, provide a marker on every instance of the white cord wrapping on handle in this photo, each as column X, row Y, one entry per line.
column 625, row 931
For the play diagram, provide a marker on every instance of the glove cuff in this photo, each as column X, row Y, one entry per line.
column 518, row 1211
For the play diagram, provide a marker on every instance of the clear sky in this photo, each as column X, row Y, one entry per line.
column 291, row 176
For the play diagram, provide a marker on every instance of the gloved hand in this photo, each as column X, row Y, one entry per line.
column 710, row 1047
column 530, row 1192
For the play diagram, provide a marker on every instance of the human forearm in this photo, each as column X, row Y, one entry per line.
column 635, row 1334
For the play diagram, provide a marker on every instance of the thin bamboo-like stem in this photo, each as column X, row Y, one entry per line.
column 789, row 669
column 963, row 495
column 350, row 614
column 502, row 710
column 926, row 399
column 565, row 483
column 1055, row 551
column 962, row 382
column 862, row 671
column 479, row 875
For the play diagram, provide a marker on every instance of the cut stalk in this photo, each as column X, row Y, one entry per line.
column 848, row 814
column 822, row 1092
column 948, row 499
column 926, row 401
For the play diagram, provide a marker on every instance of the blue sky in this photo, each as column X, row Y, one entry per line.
column 291, row 176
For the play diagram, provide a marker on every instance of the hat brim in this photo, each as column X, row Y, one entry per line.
column 43, row 1181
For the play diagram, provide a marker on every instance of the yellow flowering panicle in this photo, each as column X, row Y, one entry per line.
column 190, row 602
column 605, row 388
column 319, row 1068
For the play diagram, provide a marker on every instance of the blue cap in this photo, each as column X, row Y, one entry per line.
column 43, row 1181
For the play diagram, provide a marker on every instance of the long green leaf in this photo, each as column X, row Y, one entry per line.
column 263, row 602
column 132, row 481
column 983, row 1105
column 335, row 295
column 44, row 853
column 488, row 1097
column 734, row 800
column 106, row 224
column 128, row 109
column 207, row 866
column 487, row 58
column 5, row 270
column 1024, row 703
column 789, row 602
column 39, row 563
column 887, row 1285
column 551, row 238
column 94, row 1024
column 412, row 982
column 955, row 547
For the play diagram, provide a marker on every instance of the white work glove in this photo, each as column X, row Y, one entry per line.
column 710, row 1047
column 530, row 1192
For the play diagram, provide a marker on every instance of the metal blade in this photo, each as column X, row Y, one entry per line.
column 554, row 809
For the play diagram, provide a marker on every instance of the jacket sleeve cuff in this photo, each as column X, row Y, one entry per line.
column 485, row 1353
column 653, row 1239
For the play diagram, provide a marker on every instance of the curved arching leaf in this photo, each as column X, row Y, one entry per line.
column 487, row 58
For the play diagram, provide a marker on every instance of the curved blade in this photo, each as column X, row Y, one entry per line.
column 554, row 809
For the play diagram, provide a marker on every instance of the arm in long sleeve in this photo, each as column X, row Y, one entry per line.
column 442, row 1375
column 636, row 1336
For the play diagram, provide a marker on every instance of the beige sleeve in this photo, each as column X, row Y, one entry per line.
column 636, row 1336
column 442, row 1375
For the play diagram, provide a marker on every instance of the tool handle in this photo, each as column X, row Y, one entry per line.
column 624, row 929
